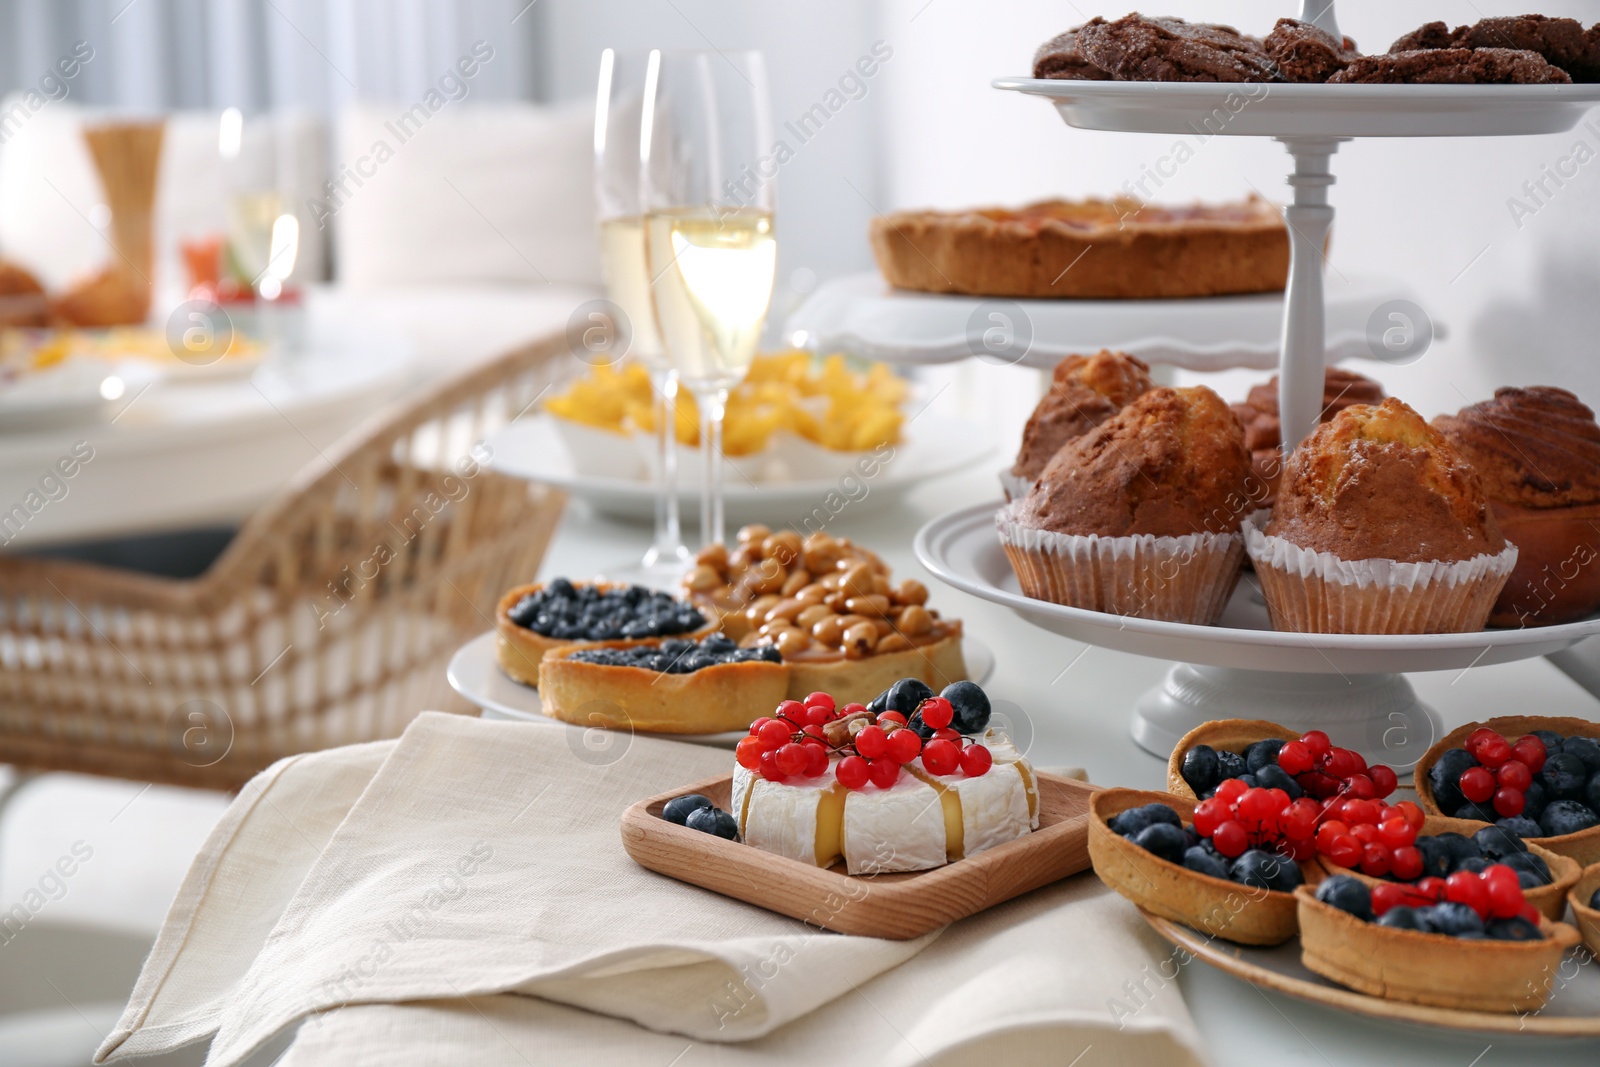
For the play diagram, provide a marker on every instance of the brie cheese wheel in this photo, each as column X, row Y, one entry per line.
column 920, row 822
column 896, row 829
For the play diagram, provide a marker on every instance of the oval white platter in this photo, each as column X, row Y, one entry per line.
column 532, row 448
column 861, row 314
column 1205, row 109
column 962, row 550
column 474, row 674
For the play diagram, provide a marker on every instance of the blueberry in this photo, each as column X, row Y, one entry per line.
column 1586, row 749
column 560, row 587
column 1266, row 870
column 1497, row 841
column 1249, row 780
column 1191, row 837
column 1262, row 754
column 1198, row 859
column 1532, row 871
column 1201, row 769
column 1520, row 825
column 1347, row 894
column 714, row 821
column 1230, row 764
column 1594, row 901
column 1552, row 740
column 1400, row 918
column 1445, row 776
column 1457, row 846
column 1473, row 864
column 1566, row 817
column 1133, row 820
column 1564, row 776
column 1534, row 800
column 1273, row 776
column 1513, row 929
column 1436, row 858
column 1477, row 812
column 679, row 809
column 905, row 695
column 1591, row 793
column 1163, row 840
column 923, row 730
column 971, row 706
column 1457, row 920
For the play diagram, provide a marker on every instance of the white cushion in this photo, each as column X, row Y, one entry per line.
column 49, row 189
column 473, row 193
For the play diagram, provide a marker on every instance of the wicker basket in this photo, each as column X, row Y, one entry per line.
column 328, row 620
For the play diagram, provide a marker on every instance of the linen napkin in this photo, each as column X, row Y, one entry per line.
column 1023, row 985
column 485, row 857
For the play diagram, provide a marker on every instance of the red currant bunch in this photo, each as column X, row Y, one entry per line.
column 790, row 743
column 1494, row 893
column 1324, row 770
column 1504, row 771
column 1238, row 818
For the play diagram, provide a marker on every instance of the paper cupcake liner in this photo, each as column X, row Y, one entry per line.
column 1016, row 487
column 1175, row 579
column 1317, row 592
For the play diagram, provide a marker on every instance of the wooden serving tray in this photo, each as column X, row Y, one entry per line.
column 894, row 906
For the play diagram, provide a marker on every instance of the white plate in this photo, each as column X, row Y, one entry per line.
column 532, row 448
column 1201, row 109
column 863, row 315
column 474, row 673
column 962, row 549
column 77, row 390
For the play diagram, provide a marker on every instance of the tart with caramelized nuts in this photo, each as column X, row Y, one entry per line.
column 831, row 608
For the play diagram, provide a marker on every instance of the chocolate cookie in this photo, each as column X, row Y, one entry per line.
column 1136, row 48
column 1455, row 66
column 1563, row 42
column 1305, row 53
column 1060, row 57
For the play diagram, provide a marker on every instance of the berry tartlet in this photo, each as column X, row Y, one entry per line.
column 1585, row 901
column 1172, row 860
column 1536, row 775
column 831, row 609
column 676, row 686
column 531, row 620
column 1437, row 856
column 1494, row 954
column 819, row 781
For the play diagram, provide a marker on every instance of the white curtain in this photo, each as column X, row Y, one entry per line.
column 269, row 54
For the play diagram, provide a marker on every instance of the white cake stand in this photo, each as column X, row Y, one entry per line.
column 1351, row 685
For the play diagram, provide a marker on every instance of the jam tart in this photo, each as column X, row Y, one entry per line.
column 531, row 620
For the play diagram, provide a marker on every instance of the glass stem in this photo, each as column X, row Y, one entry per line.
column 713, row 403
column 668, row 548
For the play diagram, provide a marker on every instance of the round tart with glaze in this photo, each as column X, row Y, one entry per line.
column 531, row 620
column 1130, row 250
column 1537, row 451
column 832, row 609
column 675, row 686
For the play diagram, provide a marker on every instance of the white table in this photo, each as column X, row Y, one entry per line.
column 1077, row 699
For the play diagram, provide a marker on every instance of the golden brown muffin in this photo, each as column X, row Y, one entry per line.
column 1171, row 463
column 1380, row 483
column 112, row 297
column 1263, row 434
column 22, row 299
column 1538, row 453
column 1084, row 392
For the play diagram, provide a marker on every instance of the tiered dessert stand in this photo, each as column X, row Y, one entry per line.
column 1351, row 685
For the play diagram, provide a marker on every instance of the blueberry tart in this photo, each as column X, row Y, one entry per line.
column 671, row 686
column 531, row 620
column 841, row 623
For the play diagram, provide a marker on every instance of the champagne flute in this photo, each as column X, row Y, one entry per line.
column 705, row 149
column 618, row 104
column 263, row 231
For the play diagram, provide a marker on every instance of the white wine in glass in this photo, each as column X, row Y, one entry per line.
column 619, row 103
column 708, row 190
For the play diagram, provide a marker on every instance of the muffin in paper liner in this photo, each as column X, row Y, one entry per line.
column 1016, row 487
column 1174, row 579
column 1317, row 592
